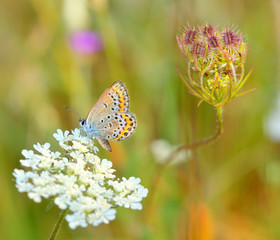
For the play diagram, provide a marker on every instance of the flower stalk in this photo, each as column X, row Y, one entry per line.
column 58, row 224
column 211, row 139
column 160, row 168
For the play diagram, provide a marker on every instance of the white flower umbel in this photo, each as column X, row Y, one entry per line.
column 77, row 180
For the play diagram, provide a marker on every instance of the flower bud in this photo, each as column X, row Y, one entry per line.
column 215, row 58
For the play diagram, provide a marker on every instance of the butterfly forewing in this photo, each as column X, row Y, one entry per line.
column 114, row 99
column 119, row 98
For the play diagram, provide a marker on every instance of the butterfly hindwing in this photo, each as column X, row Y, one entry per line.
column 116, row 126
column 126, row 128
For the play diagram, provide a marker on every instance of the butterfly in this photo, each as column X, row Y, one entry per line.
column 109, row 118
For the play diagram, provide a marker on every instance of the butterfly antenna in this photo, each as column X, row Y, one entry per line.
column 74, row 111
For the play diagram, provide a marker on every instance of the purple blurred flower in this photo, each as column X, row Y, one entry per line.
column 85, row 42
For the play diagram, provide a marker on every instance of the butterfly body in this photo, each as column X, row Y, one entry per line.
column 109, row 118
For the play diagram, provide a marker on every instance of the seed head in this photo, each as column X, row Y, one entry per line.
column 208, row 30
column 189, row 36
column 213, row 41
column 216, row 58
column 200, row 49
column 230, row 38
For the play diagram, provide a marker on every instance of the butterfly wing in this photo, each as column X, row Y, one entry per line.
column 105, row 144
column 114, row 99
column 119, row 127
column 110, row 118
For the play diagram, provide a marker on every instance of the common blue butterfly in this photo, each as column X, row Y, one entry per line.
column 109, row 118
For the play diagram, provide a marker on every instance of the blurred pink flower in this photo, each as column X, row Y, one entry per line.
column 85, row 42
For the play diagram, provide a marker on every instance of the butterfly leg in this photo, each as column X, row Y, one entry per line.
column 105, row 144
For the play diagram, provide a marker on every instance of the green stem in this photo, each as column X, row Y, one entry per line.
column 192, row 146
column 233, row 73
column 201, row 81
column 58, row 224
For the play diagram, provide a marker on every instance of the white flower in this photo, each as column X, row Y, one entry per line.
column 130, row 192
column 83, row 204
column 61, row 136
column 20, row 175
column 76, row 219
column 79, row 181
column 141, row 192
column 36, row 197
column 62, row 201
column 31, row 159
column 44, row 149
column 27, row 154
column 76, row 133
column 131, row 183
column 118, row 186
column 95, row 189
column 272, row 121
column 161, row 149
column 60, row 164
column 103, row 215
column 80, row 147
column 24, row 186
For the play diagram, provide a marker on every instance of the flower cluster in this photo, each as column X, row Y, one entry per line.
column 78, row 181
column 216, row 58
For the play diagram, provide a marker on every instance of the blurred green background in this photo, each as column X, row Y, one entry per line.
column 234, row 193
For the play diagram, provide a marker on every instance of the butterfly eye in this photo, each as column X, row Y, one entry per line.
column 82, row 122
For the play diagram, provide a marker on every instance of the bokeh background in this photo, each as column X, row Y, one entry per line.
column 224, row 191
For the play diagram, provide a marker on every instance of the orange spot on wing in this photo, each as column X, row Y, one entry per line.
column 118, row 137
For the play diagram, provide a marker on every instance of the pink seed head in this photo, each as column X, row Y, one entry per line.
column 229, row 38
column 189, row 36
column 199, row 49
column 213, row 42
column 208, row 30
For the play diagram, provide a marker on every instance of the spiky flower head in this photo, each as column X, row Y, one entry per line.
column 216, row 58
